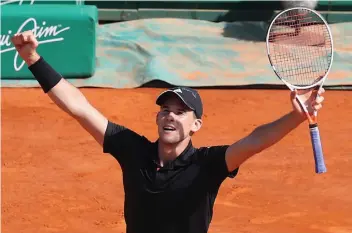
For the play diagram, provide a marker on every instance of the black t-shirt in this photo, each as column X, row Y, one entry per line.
column 177, row 198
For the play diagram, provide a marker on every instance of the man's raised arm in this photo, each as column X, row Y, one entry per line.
column 69, row 98
column 269, row 134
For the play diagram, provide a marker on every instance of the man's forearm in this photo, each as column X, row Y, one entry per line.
column 65, row 95
column 68, row 98
column 267, row 135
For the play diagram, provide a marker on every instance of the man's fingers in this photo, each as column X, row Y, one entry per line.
column 319, row 100
column 321, row 91
column 317, row 107
column 27, row 36
column 33, row 40
column 16, row 39
column 23, row 38
column 317, row 104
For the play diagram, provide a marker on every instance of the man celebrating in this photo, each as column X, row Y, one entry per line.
column 170, row 186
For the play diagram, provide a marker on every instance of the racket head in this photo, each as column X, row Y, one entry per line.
column 300, row 47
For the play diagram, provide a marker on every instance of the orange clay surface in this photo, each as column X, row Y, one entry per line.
column 55, row 177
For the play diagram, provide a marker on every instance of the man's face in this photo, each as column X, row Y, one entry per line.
column 176, row 122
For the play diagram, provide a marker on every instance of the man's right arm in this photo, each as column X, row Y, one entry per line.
column 71, row 100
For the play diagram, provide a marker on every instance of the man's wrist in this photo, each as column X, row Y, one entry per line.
column 45, row 74
column 31, row 59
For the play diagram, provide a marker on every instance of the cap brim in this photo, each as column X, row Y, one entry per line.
column 161, row 98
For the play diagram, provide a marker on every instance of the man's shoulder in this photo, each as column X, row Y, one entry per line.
column 214, row 157
column 210, row 150
column 114, row 129
column 208, row 153
column 120, row 136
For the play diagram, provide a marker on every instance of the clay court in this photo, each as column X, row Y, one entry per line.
column 55, row 177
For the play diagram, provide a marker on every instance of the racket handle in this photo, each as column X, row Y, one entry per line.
column 317, row 149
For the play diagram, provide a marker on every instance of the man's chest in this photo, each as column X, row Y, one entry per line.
column 171, row 184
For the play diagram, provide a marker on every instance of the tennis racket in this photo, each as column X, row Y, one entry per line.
column 300, row 50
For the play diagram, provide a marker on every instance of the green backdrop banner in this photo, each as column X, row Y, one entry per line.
column 66, row 35
column 36, row 2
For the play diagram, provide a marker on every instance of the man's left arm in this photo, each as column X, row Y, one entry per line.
column 269, row 134
column 261, row 138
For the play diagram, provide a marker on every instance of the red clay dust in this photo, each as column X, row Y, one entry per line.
column 55, row 177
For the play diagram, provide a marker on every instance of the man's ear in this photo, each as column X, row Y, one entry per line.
column 196, row 125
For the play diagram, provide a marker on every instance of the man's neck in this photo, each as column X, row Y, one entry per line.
column 169, row 152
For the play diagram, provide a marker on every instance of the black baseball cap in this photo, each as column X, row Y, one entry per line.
column 189, row 97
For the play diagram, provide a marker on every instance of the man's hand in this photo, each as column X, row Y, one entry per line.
column 311, row 99
column 26, row 45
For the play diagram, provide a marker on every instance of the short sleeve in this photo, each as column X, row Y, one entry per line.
column 215, row 163
column 120, row 142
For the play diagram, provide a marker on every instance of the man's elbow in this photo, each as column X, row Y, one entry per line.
column 260, row 139
column 80, row 109
column 239, row 152
column 245, row 148
column 74, row 105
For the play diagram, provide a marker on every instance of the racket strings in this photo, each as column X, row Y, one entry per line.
column 300, row 47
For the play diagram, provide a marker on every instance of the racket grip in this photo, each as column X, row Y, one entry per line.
column 317, row 149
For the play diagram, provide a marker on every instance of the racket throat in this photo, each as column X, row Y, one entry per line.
column 312, row 118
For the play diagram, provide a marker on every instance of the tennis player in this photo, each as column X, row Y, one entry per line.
column 170, row 186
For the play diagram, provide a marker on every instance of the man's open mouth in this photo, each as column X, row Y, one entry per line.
column 169, row 128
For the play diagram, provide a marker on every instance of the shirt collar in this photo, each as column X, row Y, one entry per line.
column 180, row 161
